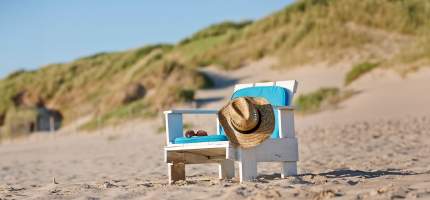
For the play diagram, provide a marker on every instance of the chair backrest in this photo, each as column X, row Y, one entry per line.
column 289, row 85
column 278, row 93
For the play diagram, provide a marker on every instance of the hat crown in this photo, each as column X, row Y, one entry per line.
column 244, row 115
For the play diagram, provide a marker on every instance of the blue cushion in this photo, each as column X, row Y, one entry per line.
column 195, row 139
column 277, row 96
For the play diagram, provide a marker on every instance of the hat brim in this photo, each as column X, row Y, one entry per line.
column 261, row 133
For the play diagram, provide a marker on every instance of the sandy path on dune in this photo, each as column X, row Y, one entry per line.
column 374, row 146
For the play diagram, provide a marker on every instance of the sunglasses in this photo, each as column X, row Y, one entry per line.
column 191, row 133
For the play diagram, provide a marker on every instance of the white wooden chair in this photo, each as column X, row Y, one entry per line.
column 283, row 149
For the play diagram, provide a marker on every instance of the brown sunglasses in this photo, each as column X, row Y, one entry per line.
column 191, row 133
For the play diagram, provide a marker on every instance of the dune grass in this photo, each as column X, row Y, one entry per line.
column 137, row 109
column 216, row 30
column 313, row 30
column 96, row 84
column 323, row 98
column 359, row 70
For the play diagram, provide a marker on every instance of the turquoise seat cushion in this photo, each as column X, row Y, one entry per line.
column 277, row 96
column 195, row 139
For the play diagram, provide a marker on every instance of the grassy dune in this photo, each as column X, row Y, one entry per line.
column 321, row 99
column 140, row 82
column 358, row 70
column 320, row 30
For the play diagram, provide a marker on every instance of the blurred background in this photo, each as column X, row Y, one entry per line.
column 96, row 64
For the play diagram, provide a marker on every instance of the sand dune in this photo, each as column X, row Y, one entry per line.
column 374, row 146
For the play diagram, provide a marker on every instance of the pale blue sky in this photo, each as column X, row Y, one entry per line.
column 35, row 33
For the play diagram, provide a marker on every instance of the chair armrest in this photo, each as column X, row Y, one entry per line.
column 285, row 121
column 191, row 111
column 174, row 123
column 285, row 107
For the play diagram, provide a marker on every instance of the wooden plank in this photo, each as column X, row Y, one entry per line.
column 231, row 153
column 226, row 169
column 291, row 85
column 212, row 152
column 241, row 86
column 174, row 127
column 191, row 111
column 288, row 84
column 265, row 84
column 288, row 169
column 176, row 172
column 199, row 145
column 286, row 123
column 189, row 158
column 218, row 127
column 284, row 107
column 282, row 123
column 271, row 150
column 277, row 150
column 290, row 129
column 247, row 164
column 196, row 156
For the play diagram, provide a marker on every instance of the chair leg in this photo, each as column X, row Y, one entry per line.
column 176, row 172
column 226, row 169
column 289, row 169
column 247, row 165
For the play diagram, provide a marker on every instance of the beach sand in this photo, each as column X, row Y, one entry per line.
column 375, row 145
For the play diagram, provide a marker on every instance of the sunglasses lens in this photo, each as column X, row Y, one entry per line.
column 189, row 133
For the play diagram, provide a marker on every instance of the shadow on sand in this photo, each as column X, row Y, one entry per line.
column 219, row 81
column 348, row 173
column 202, row 101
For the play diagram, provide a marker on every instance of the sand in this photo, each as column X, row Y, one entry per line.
column 374, row 146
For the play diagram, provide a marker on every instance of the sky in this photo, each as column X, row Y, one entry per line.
column 35, row 33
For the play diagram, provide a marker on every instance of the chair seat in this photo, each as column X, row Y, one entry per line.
column 196, row 139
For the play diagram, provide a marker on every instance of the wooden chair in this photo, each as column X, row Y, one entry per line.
column 282, row 147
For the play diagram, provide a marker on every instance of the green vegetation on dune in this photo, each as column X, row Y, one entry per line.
column 192, row 50
column 323, row 98
column 358, row 70
column 312, row 102
column 117, row 115
column 216, row 30
column 314, row 30
column 106, row 85
column 115, row 86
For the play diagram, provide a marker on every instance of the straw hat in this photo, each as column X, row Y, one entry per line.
column 247, row 121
